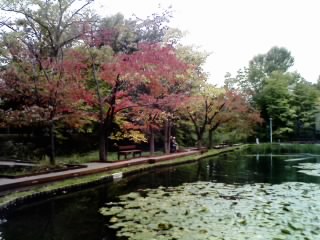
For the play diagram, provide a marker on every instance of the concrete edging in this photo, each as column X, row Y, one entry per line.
column 80, row 186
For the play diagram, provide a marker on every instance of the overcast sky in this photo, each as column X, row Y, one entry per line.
column 236, row 30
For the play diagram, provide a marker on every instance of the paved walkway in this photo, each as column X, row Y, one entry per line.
column 91, row 168
column 14, row 163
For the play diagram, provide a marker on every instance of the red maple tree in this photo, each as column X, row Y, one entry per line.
column 44, row 96
column 150, row 70
column 215, row 107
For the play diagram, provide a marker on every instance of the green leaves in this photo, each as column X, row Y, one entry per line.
column 205, row 210
column 282, row 95
column 291, row 102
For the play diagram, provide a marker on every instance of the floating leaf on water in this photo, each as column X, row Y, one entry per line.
column 285, row 231
column 279, row 238
column 130, row 196
column 295, row 226
column 114, row 220
column 270, row 212
column 312, row 169
column 164, row 226
column 111, row 211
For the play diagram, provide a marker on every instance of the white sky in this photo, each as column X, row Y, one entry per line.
column 236, row 30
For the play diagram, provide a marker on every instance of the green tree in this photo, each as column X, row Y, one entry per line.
column 269, row 86
column 263, row 65
column 306, row 104
column 252, row 79
column 277, row 59
column 276, row 101
column 45, row 27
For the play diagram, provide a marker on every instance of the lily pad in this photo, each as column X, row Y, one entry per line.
column 312, row 169
column 205, row 210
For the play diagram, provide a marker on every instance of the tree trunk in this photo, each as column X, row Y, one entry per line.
column 52, row 144
column 169, row 135
column 102, row 127
column 110, row 115
column 210, row 139
column 151, row 141
column 107, row 143
column 102, row 142
column 108, row 131
column 165, row 150
column 166, row 137
column 199, row 144
column 199, row 140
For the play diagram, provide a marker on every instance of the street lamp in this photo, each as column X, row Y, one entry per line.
column 270, row 130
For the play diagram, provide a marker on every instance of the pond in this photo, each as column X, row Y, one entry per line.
column 222, row 181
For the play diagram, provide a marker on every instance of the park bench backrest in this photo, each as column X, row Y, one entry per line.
column 127, row 147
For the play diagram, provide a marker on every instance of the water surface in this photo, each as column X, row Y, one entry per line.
column 75, row 216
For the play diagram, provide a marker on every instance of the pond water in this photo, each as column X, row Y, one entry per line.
column 76, row 216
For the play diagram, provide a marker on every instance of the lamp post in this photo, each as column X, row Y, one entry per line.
column 270, row 130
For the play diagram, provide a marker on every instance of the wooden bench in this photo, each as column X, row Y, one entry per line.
column 128, row 149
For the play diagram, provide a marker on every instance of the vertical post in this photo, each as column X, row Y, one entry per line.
column 271, row 130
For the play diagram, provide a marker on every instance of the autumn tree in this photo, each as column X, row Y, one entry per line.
column 234, row 113
column 149, row 117
column 111, row 39
column 215, row 107
column 190, row 87
column 125, row 77
column 201, row 108
column 153, row 29
column 179, row 93
column 124, row 35
column 34, row 37
column 159, row 112
column 45, row 103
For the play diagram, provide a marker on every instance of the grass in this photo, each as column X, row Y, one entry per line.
column 69, row 183
column 14, row 170
column 93, row 156
column 283, row 148
column 75, row 159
